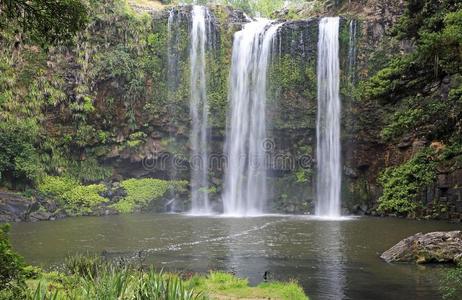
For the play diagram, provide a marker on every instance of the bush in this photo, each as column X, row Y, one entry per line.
column 401, row 184
column 140, row 192
column 11, row 268
column 18, row 156
column 451, row 284
column 76, row 199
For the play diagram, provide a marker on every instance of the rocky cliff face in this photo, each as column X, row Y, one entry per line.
column 122, row 114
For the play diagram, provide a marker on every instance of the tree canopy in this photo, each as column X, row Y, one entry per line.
column 46, row 21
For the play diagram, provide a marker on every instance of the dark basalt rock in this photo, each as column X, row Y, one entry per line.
column 13, row 207
column 39, row 216
column 434, row 247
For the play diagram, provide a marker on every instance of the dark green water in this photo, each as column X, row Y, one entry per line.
column 331, row 259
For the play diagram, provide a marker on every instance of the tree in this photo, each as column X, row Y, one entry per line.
column 11, row 267
column 46, row 21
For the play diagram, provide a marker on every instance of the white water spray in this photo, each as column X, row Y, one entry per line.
column 328, row 184
column 245, row 189
column 199, row 111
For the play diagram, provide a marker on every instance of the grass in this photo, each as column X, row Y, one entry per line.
column 91, row 277
column 220, row 285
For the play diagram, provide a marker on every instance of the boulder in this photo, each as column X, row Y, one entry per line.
column 434, row 247
column 39, row 216
column 13, row 207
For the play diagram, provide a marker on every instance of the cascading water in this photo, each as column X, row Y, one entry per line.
column 245, row 177
column 199, row 110
column 173, row 79
column 352, row 52
column 328, row 184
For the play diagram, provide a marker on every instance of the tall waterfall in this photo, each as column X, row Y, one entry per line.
column 245, row 177
column 199, row 109
column 328, row 184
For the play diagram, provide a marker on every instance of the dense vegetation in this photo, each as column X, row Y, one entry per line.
column 76, row 96
column 422, row 92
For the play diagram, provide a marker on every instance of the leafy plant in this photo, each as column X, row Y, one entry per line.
column 11, row 268
column 402, row 184
column 76, row 199
column 140, row 192
column 451, row 284
column 18, row 155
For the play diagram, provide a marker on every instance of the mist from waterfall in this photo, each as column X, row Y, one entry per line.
column 200, row 29
column 245, row 190
column 328, row 183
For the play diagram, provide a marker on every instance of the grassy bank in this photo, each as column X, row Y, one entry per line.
column 128, row 283
column 92, row 277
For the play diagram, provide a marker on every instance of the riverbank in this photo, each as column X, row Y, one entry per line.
column 96, row 277
column 126, row 283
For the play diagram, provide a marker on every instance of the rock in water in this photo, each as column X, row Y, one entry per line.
column 434, row 247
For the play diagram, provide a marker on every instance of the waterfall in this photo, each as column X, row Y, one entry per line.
column 245, row 176
column 173, row 79
column 200, row 28
column 352, row 52
column 328, row 184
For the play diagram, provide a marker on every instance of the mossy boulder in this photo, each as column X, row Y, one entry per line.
column 434, row 247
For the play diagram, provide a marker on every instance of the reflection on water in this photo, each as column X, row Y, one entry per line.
column 330, row 263
column 332, row 259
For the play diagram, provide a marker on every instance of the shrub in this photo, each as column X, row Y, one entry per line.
column 451, row 284
column 82, row 199
column 401, row 184
column 140, row 192
column 77, row 199
column 55, row 187
column 18, row 156
column 11, row 268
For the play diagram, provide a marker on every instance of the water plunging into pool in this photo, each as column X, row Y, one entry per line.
column 328, row 183
column 245, row 177
column 200, row 29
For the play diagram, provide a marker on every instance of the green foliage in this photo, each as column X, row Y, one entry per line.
column 18, row 155
column 293, row 86
column 402, row 184
column 94, row 278
column 76, row 199
column 402, row 122
column 386, row 81
column 54, row 186
column 227, row 285
column 82, row 199
column 303, row 175
column 86, row 266
column 140, row 192
column 11, row 268
column 88, row 170
column 45, row 20
column 421, row 95
column 451, row 284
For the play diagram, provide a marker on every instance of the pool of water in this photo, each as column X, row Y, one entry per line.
column 332, row 259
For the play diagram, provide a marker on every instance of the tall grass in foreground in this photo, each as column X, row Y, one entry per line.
column 93, row 278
